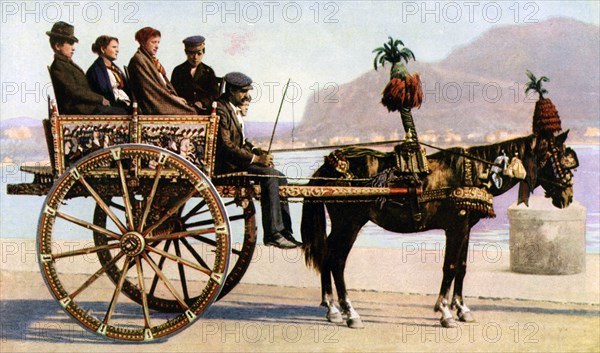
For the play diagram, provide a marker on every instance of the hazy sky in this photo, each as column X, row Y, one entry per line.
column 319, row 45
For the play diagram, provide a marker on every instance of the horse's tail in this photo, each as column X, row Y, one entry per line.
column 313, row 230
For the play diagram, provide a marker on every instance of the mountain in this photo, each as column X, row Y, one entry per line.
column 476, row 94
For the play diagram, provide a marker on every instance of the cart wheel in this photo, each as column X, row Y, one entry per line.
column 75, row 277
column 190, row 217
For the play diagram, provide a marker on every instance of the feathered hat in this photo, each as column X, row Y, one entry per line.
column 545, row 116
column 403, row 91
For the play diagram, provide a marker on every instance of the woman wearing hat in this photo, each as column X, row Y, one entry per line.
column 105, row 77
column 72, row 91
column 151, row 87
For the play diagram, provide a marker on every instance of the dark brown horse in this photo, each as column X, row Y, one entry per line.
column 453, row 169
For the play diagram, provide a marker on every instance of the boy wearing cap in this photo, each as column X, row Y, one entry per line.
column 236, row 154
column 71, row 88
column 194, row 80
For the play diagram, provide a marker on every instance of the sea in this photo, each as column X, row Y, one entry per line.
column 19, row 214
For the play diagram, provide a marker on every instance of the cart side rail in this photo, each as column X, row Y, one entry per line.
column 75, row 136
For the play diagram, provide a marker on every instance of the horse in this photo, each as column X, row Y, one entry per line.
column 451, row 170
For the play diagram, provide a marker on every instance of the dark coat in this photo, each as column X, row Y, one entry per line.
column 233, row 153
column 99, row 81
column 71, row 88
column 152, row 95
column 203, row 87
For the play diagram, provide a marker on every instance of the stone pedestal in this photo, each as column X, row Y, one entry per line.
column 547, row 240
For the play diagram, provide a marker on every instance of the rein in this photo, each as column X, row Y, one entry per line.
column 380, row 143
column 445, row 150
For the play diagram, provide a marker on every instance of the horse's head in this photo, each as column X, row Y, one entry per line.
column 555, row 164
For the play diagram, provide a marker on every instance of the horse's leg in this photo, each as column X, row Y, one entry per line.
column 333, row 313
column 463, row 312
column 339, row 244
column 454, row 241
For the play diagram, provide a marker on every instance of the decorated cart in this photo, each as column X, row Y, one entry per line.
column 140, row 195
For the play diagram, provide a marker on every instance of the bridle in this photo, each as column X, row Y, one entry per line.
column 561, row 169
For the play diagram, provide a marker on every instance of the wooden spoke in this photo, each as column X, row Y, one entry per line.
column 140, row 273
column 84, row 251
column 126, row 200
column 194, row 253
column 160, row 265
column 186, row 295
column 150, row 198
column 205, row 240
column 165, row 280
column 116, row 205
column 169, row 213
column 212, row 242
column 87, row 225
column 180, row 260
column 201, row 223
column 211, row 221
column 115, row 298
column 229, row 203
column 236, row 218
column 183, row 234
column 102, row 204
column 193, row 211
column 96, row 275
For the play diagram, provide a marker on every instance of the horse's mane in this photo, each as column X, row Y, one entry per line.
column 520, row 145
column 489, row 153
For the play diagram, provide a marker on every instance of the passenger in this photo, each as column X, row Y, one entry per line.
column 194, row 80
column 235, row 154
column 105, row 77
column 72, row 91
column 151, row 87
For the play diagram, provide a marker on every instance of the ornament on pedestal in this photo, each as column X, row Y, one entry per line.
column 403, row 91
column 545, row 126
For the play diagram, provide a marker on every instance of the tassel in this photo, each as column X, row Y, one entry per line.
column 402, row 93
column 517, row 169
column 393, row 94
column 545, row 117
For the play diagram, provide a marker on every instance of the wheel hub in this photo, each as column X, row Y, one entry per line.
column 132, row 243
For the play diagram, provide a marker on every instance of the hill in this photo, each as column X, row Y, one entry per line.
column 476, row 94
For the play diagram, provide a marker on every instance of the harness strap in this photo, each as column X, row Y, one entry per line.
column 418, row 220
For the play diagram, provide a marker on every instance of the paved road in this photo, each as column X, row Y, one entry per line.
column 262, row 318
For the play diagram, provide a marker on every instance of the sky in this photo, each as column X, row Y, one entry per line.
column 319, row 45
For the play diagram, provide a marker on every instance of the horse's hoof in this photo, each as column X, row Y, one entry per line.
column 355, row 322
column 466, row 316
column 448, row 322
column 336, row 318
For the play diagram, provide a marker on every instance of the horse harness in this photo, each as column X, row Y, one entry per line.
column 410, row 171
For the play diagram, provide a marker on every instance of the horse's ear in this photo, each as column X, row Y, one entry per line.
column 562, row 137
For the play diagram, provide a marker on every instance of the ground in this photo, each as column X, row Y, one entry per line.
column 267, row 318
